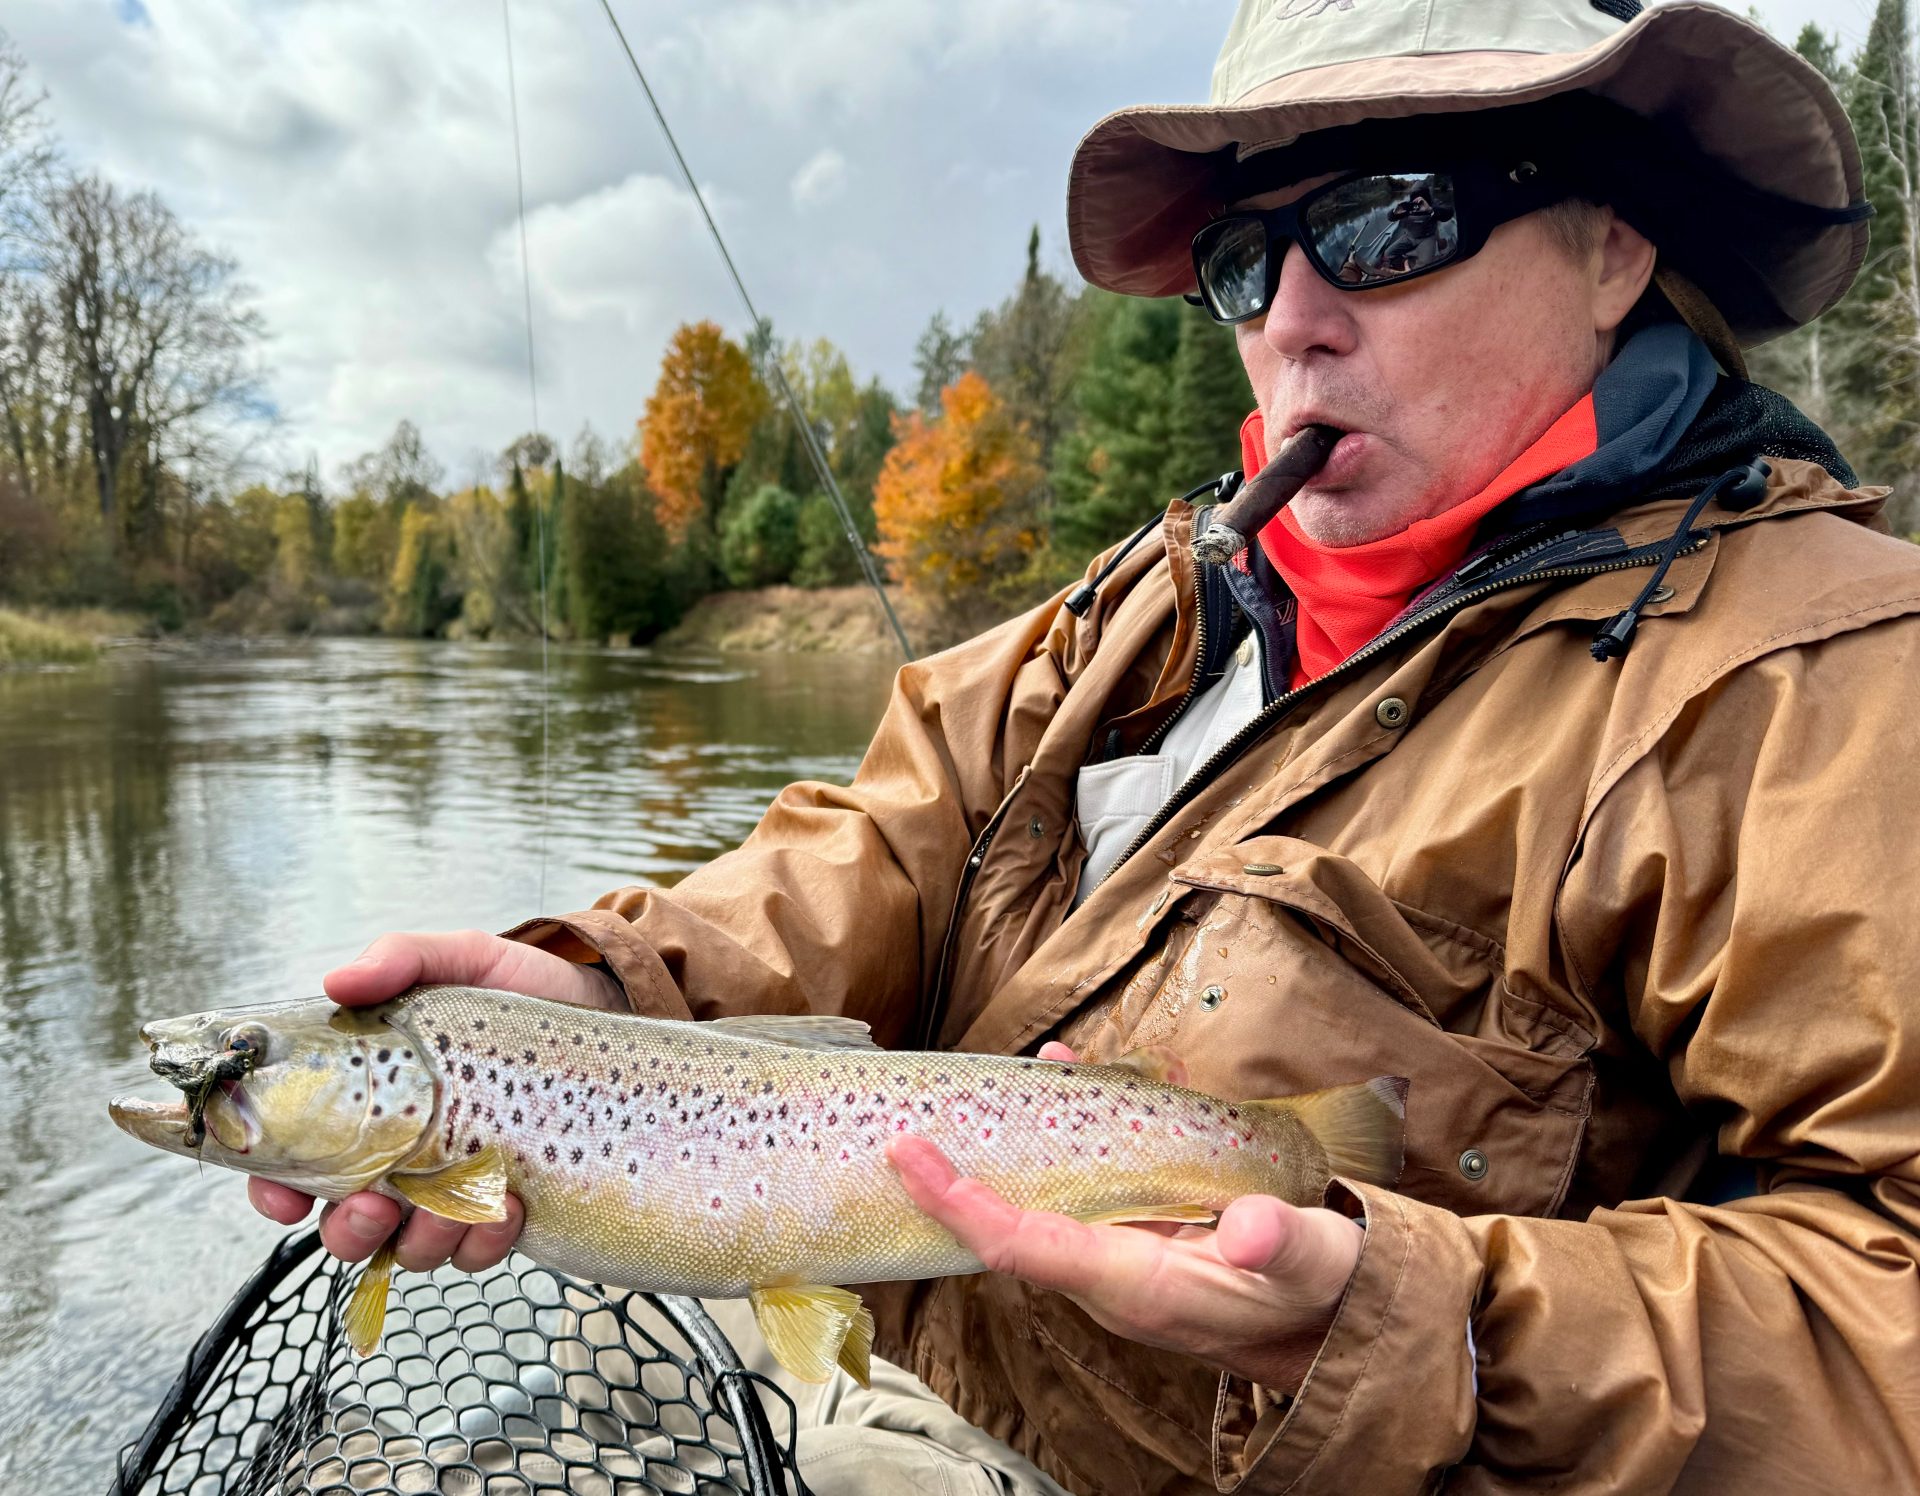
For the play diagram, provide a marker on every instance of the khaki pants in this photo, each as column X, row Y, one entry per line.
column 892, row 1439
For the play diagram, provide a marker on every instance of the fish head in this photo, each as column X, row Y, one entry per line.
column 323, row 1098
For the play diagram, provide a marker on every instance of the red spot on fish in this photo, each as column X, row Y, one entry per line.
column 985, row 1133
column 1136, row 1124
column 1273, row 1158
column 714, row 1202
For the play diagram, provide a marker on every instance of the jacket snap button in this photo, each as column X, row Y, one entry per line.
column 1262, row 869
column 1473, row 1164
column 1391, row 713
column 1036, row 828
column 1661, row 594
column 1159, row 903
column 1213, row 997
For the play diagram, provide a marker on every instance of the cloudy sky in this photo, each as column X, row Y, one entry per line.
column 871, row 161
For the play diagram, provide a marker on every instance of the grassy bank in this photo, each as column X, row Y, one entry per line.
column 33, row 641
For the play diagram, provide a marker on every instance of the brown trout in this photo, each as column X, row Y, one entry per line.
column 737, row 1158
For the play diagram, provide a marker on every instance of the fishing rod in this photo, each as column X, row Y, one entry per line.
column 533, row 399
column 807, row 436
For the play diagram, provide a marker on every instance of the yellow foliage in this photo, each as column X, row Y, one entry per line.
column 697, row 420
column 954, row 500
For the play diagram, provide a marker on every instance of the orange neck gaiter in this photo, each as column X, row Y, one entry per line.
column 1349, row 594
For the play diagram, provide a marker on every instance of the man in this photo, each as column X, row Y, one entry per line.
column 1547, row 750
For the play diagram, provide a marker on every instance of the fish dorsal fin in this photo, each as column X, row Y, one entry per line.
column 811, row 1329
column 471, row 1189
column 1361, row 1127
column 1119, row 1215
column 1157, row 1063
column 798, row 1030
column 366, row 1312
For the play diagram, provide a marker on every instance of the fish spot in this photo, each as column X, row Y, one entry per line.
column 377, row 1110
column 406, row 1054
column 359, row 1095
column 480, row 1024
column 518, row 1116
column 544, row 1025
column 579, row 1038
column 384, row 1055
column 357, row 1060
column 442, row 1043
column 769, row 1140
column 473, row 1146
column 714, row 1203
column 633, row 1166
column 410, row 1111
column 606, row 1150
column 604, row 1046
column 550, row 1153
column 466, row 1072
column 578, row 1154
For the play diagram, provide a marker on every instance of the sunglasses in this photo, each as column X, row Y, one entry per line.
column 1373, row 229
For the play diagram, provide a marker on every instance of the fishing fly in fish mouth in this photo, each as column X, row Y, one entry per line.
column 741, row 1158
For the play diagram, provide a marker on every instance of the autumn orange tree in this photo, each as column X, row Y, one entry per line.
column 955, row 501
column 697, row 421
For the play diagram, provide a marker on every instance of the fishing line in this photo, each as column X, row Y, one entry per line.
column 807, row 437
column 533, row 399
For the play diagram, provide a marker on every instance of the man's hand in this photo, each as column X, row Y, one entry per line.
column 354, row 1228
column 1254, row 1295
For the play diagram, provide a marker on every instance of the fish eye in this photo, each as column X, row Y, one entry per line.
column 248, row 1039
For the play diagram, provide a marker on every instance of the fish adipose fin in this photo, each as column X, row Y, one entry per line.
column 811, row 1329
column 472, row 1190
column 366, row 1313
column 1362, row 1127
column 1190, row 1215
column 1156, row 1062
column 798, row 1030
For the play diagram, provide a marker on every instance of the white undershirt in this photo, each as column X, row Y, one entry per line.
column 1115, row 800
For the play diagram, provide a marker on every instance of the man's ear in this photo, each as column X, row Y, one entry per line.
column 1623, row 268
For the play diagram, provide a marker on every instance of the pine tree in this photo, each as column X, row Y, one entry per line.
column 1210, row 399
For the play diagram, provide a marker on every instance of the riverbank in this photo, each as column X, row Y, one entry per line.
column 71, row 637
column 788, row 620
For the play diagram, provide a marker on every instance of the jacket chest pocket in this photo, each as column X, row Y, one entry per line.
column 1285, row 969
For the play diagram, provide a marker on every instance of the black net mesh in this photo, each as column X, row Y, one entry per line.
column 514, row 1380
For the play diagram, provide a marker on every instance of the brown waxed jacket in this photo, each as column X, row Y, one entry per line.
column 1615, row 922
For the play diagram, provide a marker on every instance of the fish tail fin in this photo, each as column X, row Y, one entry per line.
column 366, row 1312
column 1362, row 1128
column 810, row 1329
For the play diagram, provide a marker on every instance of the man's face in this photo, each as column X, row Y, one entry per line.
column 1440, row 383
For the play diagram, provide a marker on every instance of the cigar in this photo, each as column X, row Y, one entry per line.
column 1265, row 495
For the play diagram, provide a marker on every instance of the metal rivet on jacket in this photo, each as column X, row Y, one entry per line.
column 1036, row 828
column 1262, row 869
column 1213, row 997
column 1473, row 1164
column 1392, row 712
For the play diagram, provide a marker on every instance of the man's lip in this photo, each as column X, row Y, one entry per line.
column 1314, row 418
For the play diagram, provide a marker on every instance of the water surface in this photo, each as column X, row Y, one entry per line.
column 182, row 829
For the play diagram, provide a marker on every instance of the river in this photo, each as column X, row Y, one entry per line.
column 184, row 829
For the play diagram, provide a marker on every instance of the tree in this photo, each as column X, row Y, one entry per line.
column 939, row 358
column 155, row 330
column 955, row 502
column 760, row 538
column 1110, row 473
column 1027, row 350
column 697, row 422
column 1209, row 399
column 418, row 600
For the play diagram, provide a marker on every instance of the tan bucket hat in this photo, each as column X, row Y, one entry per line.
column 1145, row 179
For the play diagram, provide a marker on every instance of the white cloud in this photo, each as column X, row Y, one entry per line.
column 355, row 156
column 820, row 181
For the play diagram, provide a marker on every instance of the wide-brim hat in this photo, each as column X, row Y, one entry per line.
column 1145, row 179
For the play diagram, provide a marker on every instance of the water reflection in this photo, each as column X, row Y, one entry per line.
column 180, row 830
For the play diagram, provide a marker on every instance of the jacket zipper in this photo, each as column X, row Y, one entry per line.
column 1199, row 664
column 936, row 1009
column 1281, row 705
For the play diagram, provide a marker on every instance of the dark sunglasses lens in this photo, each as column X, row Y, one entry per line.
column 1372, row 230
column 1230, row 260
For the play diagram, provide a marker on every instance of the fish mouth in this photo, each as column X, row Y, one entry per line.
column 164, row 1124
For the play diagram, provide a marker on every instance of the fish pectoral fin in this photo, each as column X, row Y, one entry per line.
column 473, row 1189
column 1120, row 1215
column 810, row 1329
column 797, row 1030
column 1361, row 1127
column 1157, row 1063
column 366, row 1312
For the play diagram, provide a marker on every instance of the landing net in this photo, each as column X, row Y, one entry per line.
column 510, row 1381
